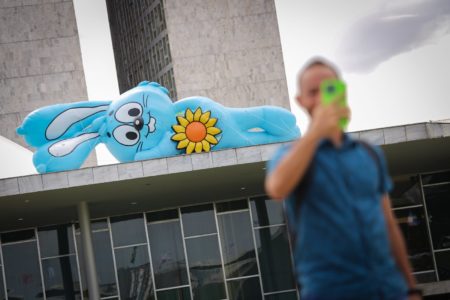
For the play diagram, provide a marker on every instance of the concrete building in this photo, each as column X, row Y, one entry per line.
column 199, row 226
column 40, row 61
column 229, row 51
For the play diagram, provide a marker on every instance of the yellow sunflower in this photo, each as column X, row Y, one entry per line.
column 195, row 131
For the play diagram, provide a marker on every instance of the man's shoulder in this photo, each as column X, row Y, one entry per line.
column 373, row 152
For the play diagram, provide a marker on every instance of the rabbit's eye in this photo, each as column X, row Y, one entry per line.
column 127, row 113
column 126, row 135
column 134, row 112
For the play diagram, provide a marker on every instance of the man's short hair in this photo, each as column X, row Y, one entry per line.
column 318, row 61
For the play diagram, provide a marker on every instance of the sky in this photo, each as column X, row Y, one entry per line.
column 394, row 56
column 98, row 58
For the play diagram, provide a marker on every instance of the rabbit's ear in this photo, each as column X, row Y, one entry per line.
column 65, row 154
column 60, row 121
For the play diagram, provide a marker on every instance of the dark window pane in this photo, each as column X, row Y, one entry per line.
column 406, row 192
column 438, row 205
column 274, row 259
column 266, row 211
column 198, row 220
column 177, row 294
column 17, row 236
column 413, row 226
column 128, row 230
column 166, row 245
column 436, row 178
column 104, row 263
column 205, row 267
column 425, row 277
column 133, row 271
column 237, row 244
column 95, row 225
column 23, row 276
column 162, row 215
column 443, row 264
column 56, row 240
column 244, row 289
column 2, row 286
column 282, row 296
column 61, row 278
column 99, row 224
column 231, row 205
column 437, row 297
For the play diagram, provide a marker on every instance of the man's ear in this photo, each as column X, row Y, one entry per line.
column 299, row 99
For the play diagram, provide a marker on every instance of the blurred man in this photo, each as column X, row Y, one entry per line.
column 347, row 244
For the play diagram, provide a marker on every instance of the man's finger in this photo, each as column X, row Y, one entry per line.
column 339, row 98
column 344, row 112
column 335, row 105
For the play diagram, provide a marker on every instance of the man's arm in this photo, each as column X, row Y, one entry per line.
column 397, row 242
column 291, row 168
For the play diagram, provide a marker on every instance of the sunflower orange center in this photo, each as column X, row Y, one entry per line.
column 196, row 131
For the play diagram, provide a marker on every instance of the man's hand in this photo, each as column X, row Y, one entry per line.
column 325, row 119
column 414, row 297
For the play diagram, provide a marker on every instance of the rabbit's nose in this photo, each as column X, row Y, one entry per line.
column 138, row 123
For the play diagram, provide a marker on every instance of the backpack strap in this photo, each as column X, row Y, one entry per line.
column 375, row 157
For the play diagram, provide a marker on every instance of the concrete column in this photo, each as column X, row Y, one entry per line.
column 88, row 250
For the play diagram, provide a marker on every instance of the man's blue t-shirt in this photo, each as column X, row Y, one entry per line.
column 342, row 249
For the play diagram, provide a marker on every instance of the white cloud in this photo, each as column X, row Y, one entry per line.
column 391, row 30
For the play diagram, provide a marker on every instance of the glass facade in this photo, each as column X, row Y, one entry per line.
column 59, row 262
column 421, row 204
column 226, row 250
column 103, row 253
column 2, row 284
column 22, row 270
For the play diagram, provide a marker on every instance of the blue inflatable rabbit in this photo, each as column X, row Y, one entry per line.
column 143, row 123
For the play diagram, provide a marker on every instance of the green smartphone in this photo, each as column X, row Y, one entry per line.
column 331, row 90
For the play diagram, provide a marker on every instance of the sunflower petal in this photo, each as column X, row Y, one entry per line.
column 178, row 128
column 211, row 139
column 197, row 114
column 178, row 137
column 183, row 144
column 182, row 121
column 189, row 115
column 211, row 122
column 198, row 147
column 190, row 148
column 205, row 117
column 213, row 130
column 206, row 146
